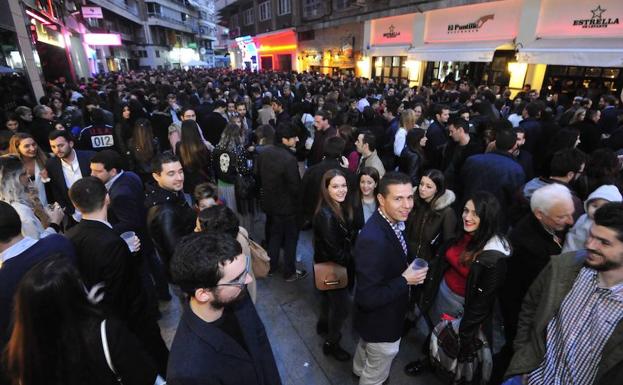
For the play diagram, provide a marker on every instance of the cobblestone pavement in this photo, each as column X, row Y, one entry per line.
column 289, row 312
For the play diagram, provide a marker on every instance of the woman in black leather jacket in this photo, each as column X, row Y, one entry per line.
column 465, row 278
column 411, row 160
column 332, row 224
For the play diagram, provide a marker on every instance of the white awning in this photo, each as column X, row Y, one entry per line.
column 580, row 52
column 475, row 51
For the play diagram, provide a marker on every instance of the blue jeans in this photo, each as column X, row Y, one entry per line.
column 515, row 380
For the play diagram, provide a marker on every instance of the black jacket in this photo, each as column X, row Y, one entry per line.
column 532, row 248
column 103, row 257
column 60, row 192
column 213, row 126
column 169, row 218
column 40, row 128
column 280, row 181
column 411, row 163
column 332, row 238
column 485, row 278
column 203, row 354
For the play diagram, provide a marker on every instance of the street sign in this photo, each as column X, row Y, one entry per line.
column 92, row 13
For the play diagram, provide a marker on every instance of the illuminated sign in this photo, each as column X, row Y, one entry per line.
column 46, row 33
column 392, row 34
column 102, row 38
column 470, row 27
column 92, row 13
column 597, row 20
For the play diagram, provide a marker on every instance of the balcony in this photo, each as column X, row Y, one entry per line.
column 172, row 23
column 119, row 7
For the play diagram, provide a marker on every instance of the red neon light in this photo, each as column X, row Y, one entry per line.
column 37, row 17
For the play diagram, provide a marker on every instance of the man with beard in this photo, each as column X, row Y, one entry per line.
column 570, row 328
column 220, row 338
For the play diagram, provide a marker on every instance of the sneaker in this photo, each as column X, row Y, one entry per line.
column 298, row 274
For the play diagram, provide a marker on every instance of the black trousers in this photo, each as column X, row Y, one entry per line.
column 334, row 306
column 283, row 234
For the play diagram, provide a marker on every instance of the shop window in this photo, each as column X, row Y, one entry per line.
column 390, row 67
column 265, row 11
column 575, row 71
column 248, row 16
column 306, row 35
column 338, row 5
column 611, row 73
column 593, row 72
column 285, row 7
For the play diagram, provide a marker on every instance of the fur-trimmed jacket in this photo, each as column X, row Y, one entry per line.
column 429, row 226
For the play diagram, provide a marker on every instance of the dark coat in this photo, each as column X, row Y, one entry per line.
column 437, row 138
column 411, row 163
column 429, row 227
column 15, row 268
column 60, row 192
column 484, row 280
column 590, row 136
column 40, row 128
column 608, row 121
column 495, row 172
column 332, row 238
column 317, row 150
column 533, row 129
column 280, row 180
column 213, row 126
column 532, row 247
column 382, row 293
column 103, row 257
column 202, row 354
column 127, row 210
column 541, row 304
column 169, row 218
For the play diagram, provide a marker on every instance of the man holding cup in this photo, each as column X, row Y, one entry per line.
column 383, row 279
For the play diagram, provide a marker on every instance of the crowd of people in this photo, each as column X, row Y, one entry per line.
column 489, row 222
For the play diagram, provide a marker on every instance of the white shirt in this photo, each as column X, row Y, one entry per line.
column 112, row 180
column 71, row 171
column 362, row 103
column 399, row 141
column 16, row 249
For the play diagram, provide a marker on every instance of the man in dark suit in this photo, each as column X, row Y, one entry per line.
column 66, row 167
column 104, row 259
column 127, row 212
column 383, row 279
column 609, row 114
column 220, row 337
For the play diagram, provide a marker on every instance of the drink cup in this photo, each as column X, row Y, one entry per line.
column 130, row 238
column 419, row 263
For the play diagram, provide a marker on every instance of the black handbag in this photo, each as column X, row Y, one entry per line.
column 245, row 186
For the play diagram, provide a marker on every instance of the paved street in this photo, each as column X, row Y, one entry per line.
column 289, row 314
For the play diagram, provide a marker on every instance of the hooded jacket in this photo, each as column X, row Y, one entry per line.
column 429, row 226
column 579, row 232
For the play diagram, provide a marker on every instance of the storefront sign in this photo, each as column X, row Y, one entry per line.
column 394, row 30
column 92, row 13
column 477, row 22
column 47, row 33
column 587, row 18
column 102, row 38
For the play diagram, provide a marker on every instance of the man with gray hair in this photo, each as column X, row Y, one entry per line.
column 42, row 125
column 535, row 238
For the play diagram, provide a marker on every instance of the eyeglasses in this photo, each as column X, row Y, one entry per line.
column 240, row 281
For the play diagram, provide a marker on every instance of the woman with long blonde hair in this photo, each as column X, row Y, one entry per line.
column 17, row 190
column 23, row 145
column 408, row 121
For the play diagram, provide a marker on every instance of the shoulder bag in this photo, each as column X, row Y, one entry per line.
column 260, row 261
column 330, row 276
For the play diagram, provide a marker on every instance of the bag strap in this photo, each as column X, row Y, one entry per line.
column 107, row 352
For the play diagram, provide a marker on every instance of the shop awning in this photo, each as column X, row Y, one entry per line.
column 580, row 52
column 475, row 51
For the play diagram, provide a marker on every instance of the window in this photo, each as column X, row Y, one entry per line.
column 386, row 67
column 247, row 16
column 157, row 52
column 153, row 8
column 265, row 11
column 234, row 20
column 306, row 35
column 285, row 7
column 313, row 8
column 341, row 4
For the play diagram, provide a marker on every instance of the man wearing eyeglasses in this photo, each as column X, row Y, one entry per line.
column 220, row 338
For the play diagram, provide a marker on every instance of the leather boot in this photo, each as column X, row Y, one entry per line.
column 334, row 350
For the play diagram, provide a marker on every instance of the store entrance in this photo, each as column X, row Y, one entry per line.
column 595, row 81
column 495, row 72
column 267, row 62
column 285, row 62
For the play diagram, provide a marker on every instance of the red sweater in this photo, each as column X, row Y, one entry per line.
column 456, row 275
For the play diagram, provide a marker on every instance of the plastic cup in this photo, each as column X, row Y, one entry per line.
column 128, row 238
column 419, row 263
